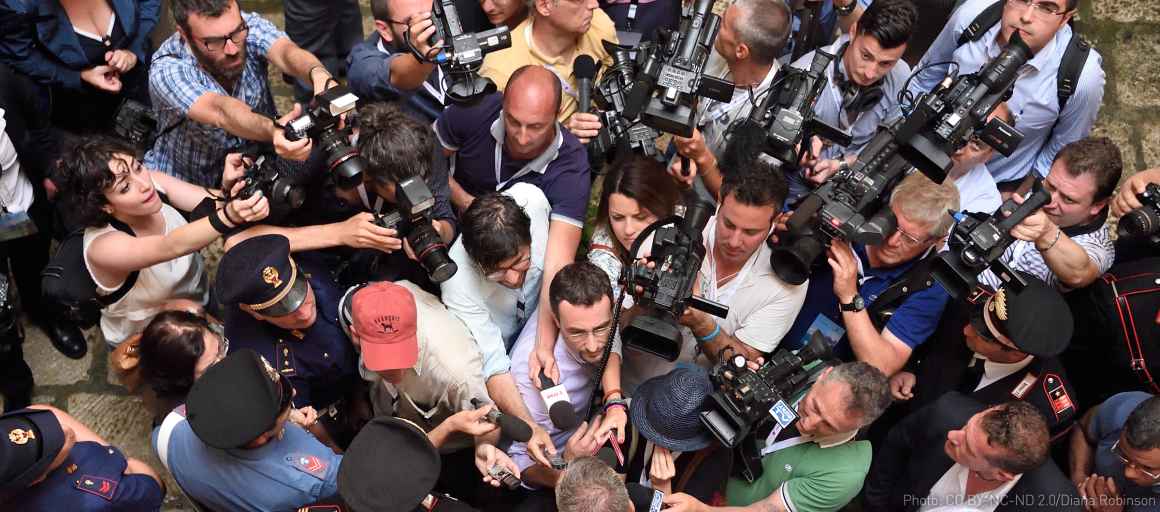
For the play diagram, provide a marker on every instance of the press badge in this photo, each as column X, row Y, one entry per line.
column 16, row 225
column 783, row 414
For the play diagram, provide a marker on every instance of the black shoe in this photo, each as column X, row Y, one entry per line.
column 67, row 338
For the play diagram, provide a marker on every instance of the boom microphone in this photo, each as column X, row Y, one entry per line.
column 511, row 426
column 584, row 68
column 559, row 406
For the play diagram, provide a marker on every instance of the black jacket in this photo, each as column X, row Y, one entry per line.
column 913, row 460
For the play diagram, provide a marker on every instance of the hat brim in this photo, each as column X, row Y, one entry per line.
column 646, row 428
column 399, row 354
column 293, row 299
column 365, row 483
column 51, row 436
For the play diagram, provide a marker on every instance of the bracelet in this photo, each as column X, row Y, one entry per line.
column 615, row 391
column 218, row 225
column 226, row 211
column 1058, row 233
column 616, row 403
column 709, row 337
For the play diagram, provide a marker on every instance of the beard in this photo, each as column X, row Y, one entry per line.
column 218, row 68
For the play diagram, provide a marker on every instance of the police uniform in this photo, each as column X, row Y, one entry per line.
column 259, row 273
column 203, row 444
column 91, row 478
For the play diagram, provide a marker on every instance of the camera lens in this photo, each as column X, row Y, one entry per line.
column 1140, row 222
column 792, row 261
column 432, row 253
column 342, row 159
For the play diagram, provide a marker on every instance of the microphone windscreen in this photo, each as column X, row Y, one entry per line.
column 584, row 67
column 644, row 499
column 562, row 415
column 515, row 428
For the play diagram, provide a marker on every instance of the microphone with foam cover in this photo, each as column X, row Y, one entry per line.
column 559, row 406
column 511, row 426
column 584, row 69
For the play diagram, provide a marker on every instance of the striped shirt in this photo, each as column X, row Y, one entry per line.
column 1023, row 255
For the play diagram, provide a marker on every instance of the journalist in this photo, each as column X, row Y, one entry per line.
column 1047, row 121
column 174, row 350
column 1067, row 243
column 211, row 92
column 589, row 484
column 737, row 273
column 868, row 297
column 814, row 463
column 1115, row 454
column 977, row 189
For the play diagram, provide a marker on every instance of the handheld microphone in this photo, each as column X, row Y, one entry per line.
column 511, row 426
column 559, row 406
column 584, row 68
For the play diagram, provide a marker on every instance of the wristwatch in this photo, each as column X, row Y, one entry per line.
column 855, row 305
column 845, row 10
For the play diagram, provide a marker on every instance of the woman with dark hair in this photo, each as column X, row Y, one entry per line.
column 108, row 190
column 175, row 349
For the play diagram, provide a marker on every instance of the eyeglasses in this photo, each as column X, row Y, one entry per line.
column 519, row 266
column 601, row 333
column 1127, row 463
column 1042, row 9
column 396, row 22
column 909, row 239
column 217, row 44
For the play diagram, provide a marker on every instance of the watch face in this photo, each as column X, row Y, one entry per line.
column 858, row 302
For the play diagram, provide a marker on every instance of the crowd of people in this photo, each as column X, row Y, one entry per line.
column 424, row 302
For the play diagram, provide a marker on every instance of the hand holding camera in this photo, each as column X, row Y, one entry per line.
column 361, row 232
column 246, row 208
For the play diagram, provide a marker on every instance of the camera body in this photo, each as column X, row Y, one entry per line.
column 618, row 132
column 412, row 219
column 787, row 111
column 677, row 252
column 274, row 179
column 134, row 122
column 746, row 398
column 321, row 123
column 1145, row 220
column 463, row 52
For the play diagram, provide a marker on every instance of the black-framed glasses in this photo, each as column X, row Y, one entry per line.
column 217, row 44
column 1040, row 8
column 1127, row 463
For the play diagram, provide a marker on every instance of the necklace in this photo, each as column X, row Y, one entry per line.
column 726, row 279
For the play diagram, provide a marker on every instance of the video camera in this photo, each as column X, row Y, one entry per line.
column 746, row 398
column 411, row 219
column 462, row 54
column 849, row 205
column 978, row 240
column 619, row 133
column 320, row 123
column 677, row 66
column 270, row 175
column 1145, row 220
column 677, row 252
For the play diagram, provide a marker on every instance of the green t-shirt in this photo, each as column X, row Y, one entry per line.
column 815, row 478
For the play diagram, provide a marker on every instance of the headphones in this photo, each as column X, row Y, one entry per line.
column 864, row 97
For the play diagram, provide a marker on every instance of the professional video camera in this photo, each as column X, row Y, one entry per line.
column 677, row 252
column 320, row 123
column 849, row 206
column 270, row 175
column 677, row 66
column 1145, row 220
column 135, row 123
column 461, row 55
column 745, row 398
column 977, row 242
column 619, row 133
column 411, row 219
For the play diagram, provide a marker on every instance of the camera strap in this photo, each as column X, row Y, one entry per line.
column 917, row 279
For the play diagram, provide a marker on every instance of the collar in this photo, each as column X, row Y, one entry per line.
column 833, row 440
column 994, row 370
column 383, row 48
column 538, row 164
column 1089, row 227
column 548, row 61
column 887, row 273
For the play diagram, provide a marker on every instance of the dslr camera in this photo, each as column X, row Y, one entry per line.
column 320, row 123
column 1145, row 220
column 462, row 53
column 134, row 122
column 273, row 177
column 746, row 398
column 412, row 220
column 677, row 252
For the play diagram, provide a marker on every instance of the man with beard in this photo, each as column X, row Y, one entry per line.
column 211, row 91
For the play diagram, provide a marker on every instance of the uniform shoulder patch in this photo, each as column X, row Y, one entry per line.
column 1056, row 394
column 308, row 464
column 97, row 486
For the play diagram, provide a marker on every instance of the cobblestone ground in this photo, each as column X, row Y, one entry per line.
column 1126, row 32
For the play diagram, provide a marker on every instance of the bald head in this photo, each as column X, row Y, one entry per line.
column 533, row 85
column 530, row 102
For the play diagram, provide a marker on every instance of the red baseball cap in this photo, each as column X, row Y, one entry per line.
column 383, row 315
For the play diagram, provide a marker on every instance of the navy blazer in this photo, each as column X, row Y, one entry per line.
column 51, row 52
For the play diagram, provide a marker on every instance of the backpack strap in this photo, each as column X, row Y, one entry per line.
column 981, row 24
column 1070, row 67
column 107, row 300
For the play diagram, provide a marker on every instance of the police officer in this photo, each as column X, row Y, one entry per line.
column 232, row 446
column 1006, row 350
column 286, row 310
column 50, row 461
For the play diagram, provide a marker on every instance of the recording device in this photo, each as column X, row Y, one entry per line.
column 747, row 398
column 584, row 68
column 977, row 242
column 677, row 252
column 559, row 406
column 134, row 122
column 505, row 477
column 461, row 55
column 677, row 67
column 320, row 123
column 411, row 219
column 511, row 426
column 1145, row 220
column 558, row 463
column 619, row 133
column 270, row 175
column 850, row 205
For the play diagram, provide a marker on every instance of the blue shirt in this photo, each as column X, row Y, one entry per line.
column 1034, row 101
column 1105, row 429
column 320, row 361
column 476, row 135
column 912, row 322
column 193, row 151
column 91, row 479
column 369, row 73
column 281, row 475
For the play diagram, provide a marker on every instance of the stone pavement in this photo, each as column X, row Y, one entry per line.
column 1126, row 32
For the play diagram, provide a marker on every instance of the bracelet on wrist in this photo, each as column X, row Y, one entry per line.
column 226, row 211
column 1058, row 234
column 616, row 403
column 612, row 392
column 215, row 221
column 711, row 336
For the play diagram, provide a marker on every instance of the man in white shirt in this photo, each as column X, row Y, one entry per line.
column 977, row 190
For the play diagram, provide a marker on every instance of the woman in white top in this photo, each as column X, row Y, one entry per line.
column 102, row 181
